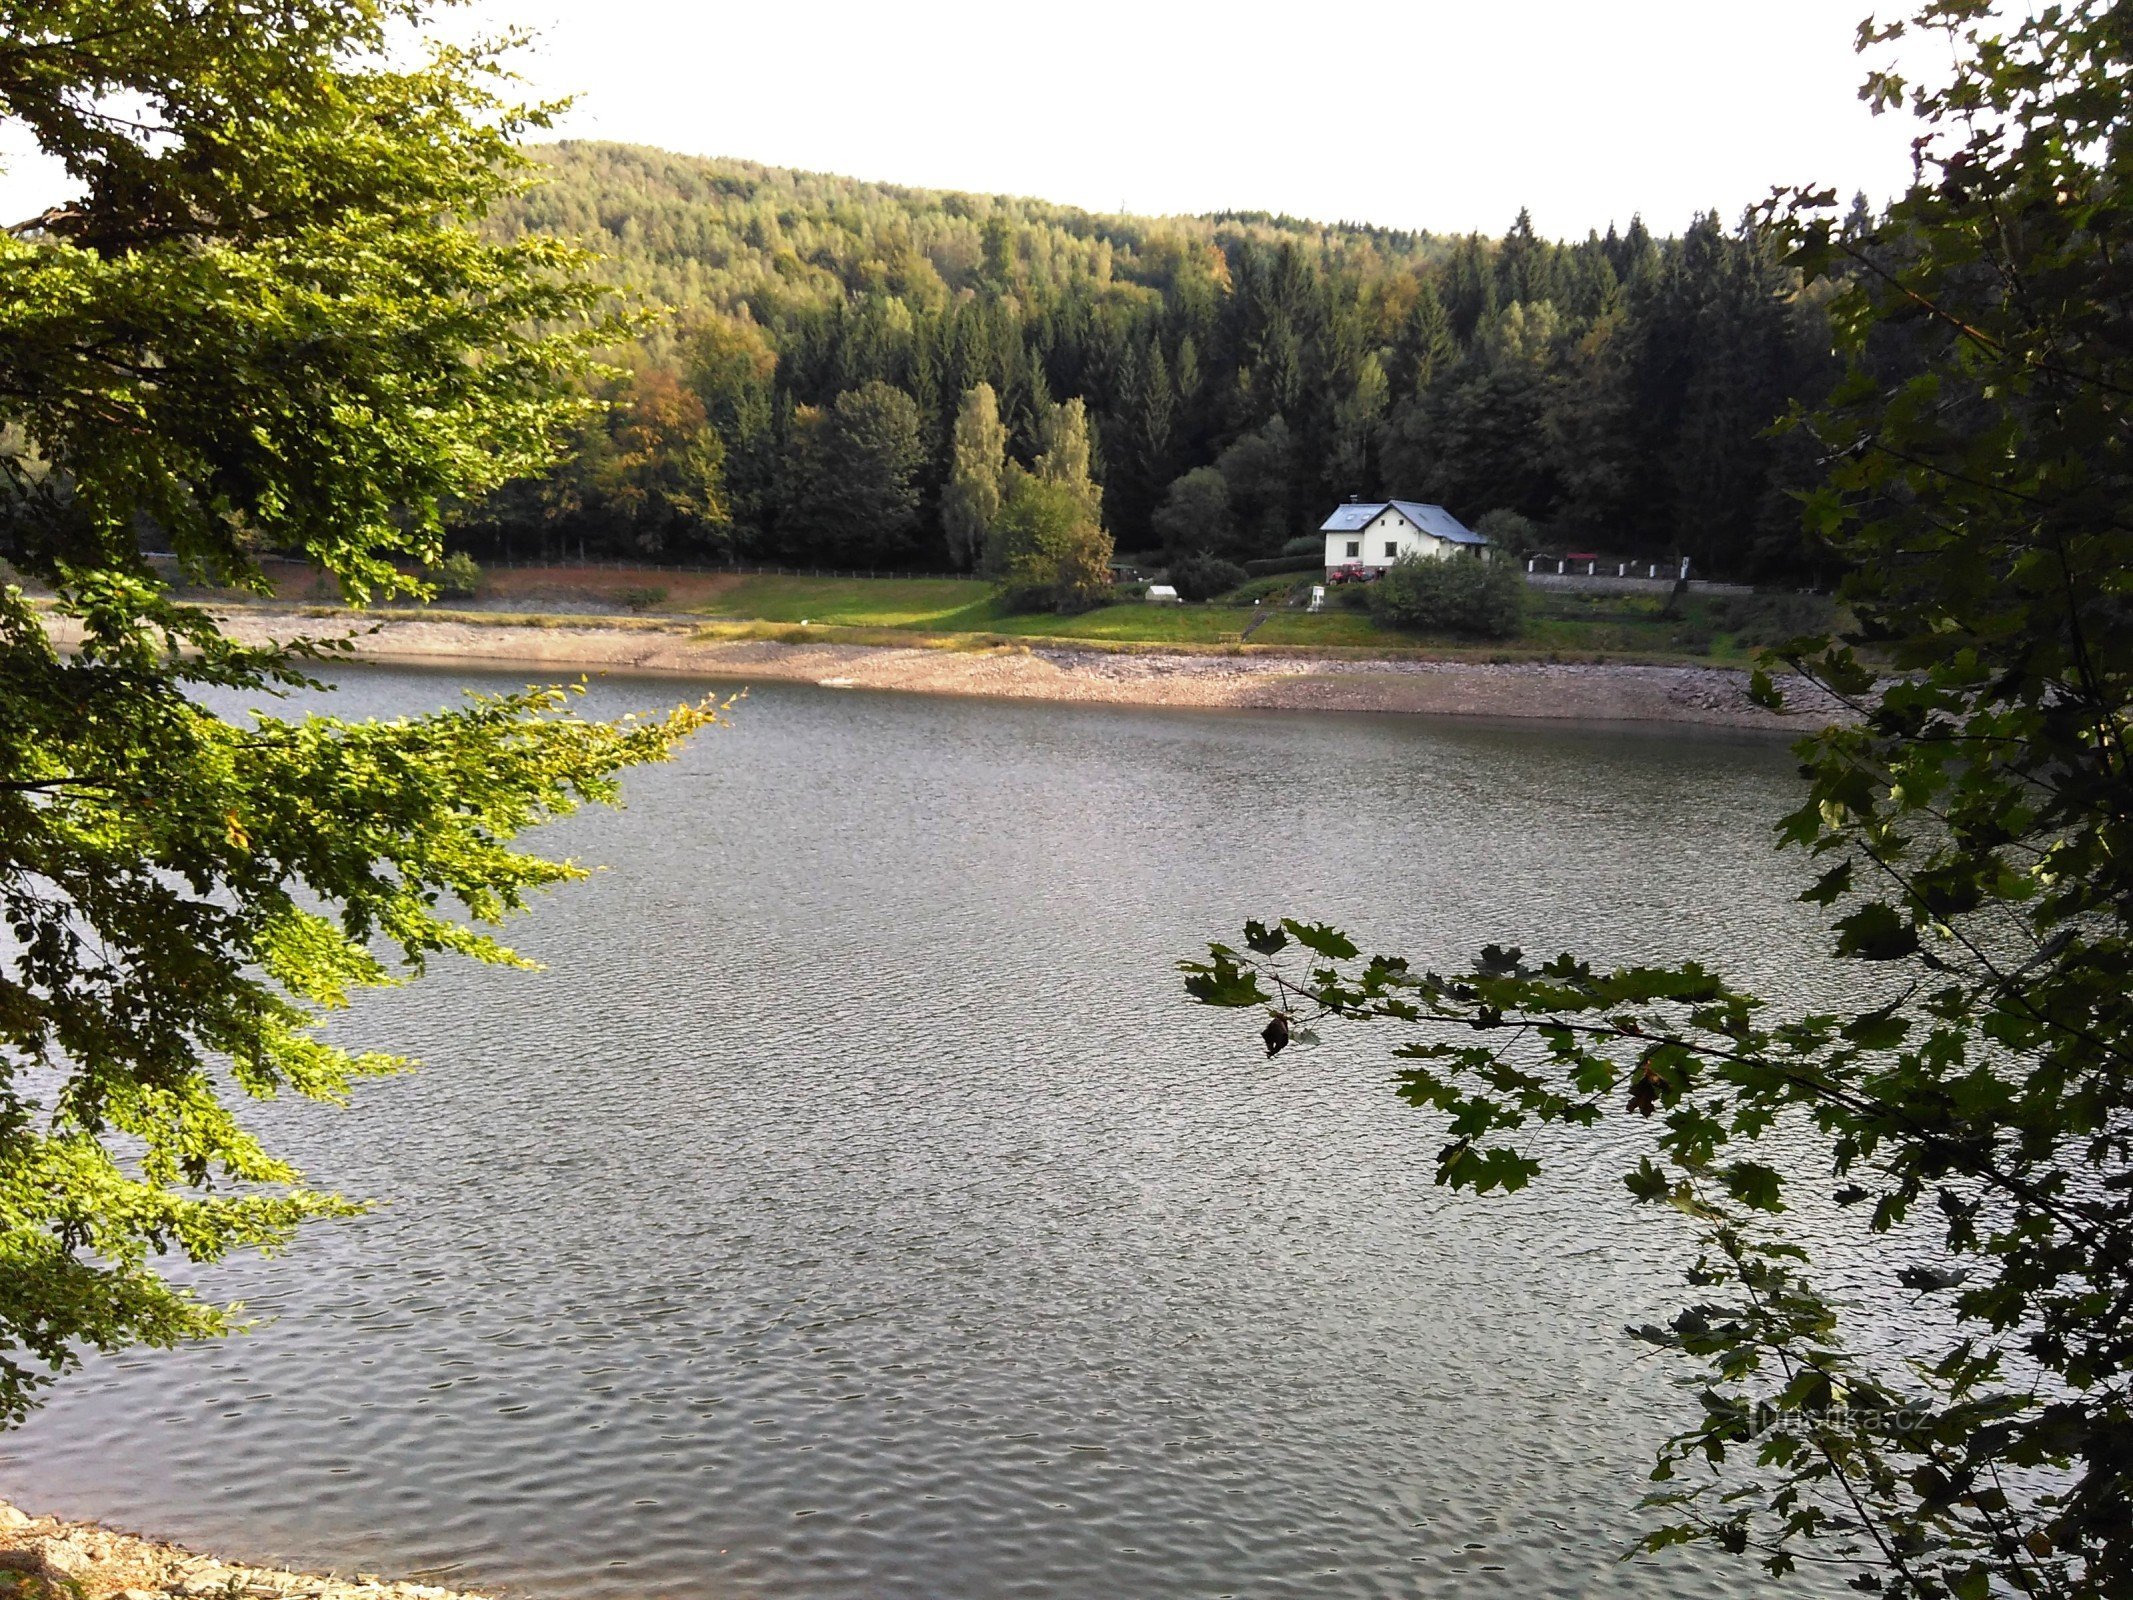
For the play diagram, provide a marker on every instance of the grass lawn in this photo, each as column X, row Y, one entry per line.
column 1712, row 629
column 941, row 603
column 942, row 611
column 1140, row 623
column 963, row 613
column 934, row 606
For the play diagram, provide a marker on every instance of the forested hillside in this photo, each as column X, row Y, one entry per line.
column 799, row 401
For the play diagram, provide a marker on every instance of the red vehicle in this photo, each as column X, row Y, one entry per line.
column 1353, row 572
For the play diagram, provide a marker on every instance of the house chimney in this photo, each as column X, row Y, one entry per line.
column 1355, row 499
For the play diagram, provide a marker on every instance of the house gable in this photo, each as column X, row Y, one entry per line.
column 1377, row 533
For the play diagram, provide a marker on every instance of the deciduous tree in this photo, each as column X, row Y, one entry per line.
column 970, row 504
column 265, row 320
column 1050, row 551
column 1971, row 829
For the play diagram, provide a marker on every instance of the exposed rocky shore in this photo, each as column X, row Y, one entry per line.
column 1570, row 691
column 95, row 1563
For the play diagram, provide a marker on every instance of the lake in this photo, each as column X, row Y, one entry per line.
column 856, row 1208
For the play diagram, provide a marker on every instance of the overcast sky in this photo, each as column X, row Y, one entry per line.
column 1412, row 113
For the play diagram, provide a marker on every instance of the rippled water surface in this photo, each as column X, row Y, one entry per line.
column 855, row 1209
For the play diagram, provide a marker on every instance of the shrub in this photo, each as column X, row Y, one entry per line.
column 1511, row 533
column 1273, row 590
column 1203, row 576
column 1306, row 544
column 1770, row 619
column 457, row 577
column 1053, row 553
column 1312, row 560
column 1480, row 599
column 1195, row 513
column 645, row 597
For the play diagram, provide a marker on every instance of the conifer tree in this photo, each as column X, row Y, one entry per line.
column 1249, row 317
column 1357, row 417
column 1426, row 349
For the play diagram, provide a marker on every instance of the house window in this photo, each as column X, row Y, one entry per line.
column 1355, row 547
column 1392, row 549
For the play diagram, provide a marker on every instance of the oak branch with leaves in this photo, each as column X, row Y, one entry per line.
column 268, row 321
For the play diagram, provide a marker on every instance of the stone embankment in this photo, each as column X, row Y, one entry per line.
column 59, row 1560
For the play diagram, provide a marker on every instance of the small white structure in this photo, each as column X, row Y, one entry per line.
column 1162, row 594
column 1373, row 534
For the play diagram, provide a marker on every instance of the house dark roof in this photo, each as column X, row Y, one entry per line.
column 1432, row 520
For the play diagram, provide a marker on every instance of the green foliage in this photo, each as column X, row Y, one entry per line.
column 644, row 596
column 945, row 603
column 1769, row 620
column 1052, row 555
column 265, row 323
column 1274, row 588
column 1201, row 576
column 851, row 474
column 1972, row 834
column 1510, row 534
column 970, row 504
column 1457, row 595
column 645, row 476
column 1313, row 560
column 1617, row 388
column 1195, row 514
column 1066, row 455
column 456, row 577
column 1260, row 471
column 660, row 470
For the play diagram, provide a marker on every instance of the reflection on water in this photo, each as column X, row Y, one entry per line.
column 855, row 1208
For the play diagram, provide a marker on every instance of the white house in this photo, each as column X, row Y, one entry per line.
column 1373, row 534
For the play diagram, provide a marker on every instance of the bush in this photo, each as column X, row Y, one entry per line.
column 1510, row 533
column 1480, row 599
column 1306, row 544
column 645, row 597
column 1274, row 590
column 456, row 577
column 1763, row 620
column 1313, row 560
column 1052, row 553
column 1203, row 576
column 1195, row 513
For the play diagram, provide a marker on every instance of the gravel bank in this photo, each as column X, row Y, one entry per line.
column 1578, row 691
column 99, row 1564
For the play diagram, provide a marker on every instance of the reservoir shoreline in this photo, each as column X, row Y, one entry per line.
column 1576, row 691
column 97, row 1562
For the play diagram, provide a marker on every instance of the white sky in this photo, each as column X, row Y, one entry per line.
column 1413, row 113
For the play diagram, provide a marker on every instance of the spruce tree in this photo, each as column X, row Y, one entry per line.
column 1426, row 348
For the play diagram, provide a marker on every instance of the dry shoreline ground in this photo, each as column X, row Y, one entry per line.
column 96, row 1563
column 1572, row 691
